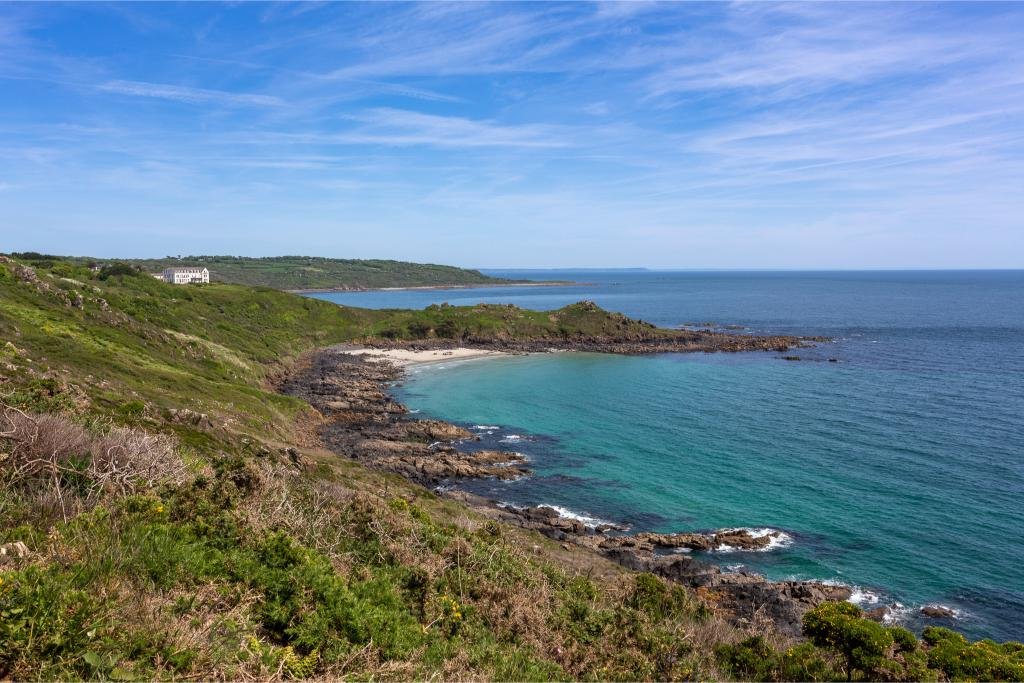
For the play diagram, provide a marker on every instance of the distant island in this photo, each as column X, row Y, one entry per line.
column 316, row 273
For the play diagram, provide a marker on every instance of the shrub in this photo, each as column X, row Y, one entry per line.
column 904, row 639
column 63, row 468
column 863, row 644
column 752, row 659
column 654, row 597
column 419, row 329
column 118, row 270
column 804, row 663
column 448, row 329
column 33, row 256
column 959, row 659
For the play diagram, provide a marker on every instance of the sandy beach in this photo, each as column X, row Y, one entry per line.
column 407, row 357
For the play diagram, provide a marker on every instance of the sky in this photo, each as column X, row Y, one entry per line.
column 719, row 135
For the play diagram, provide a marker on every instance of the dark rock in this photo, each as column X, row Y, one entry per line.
column 937, row 612
column 363, row 421
column 878, row 614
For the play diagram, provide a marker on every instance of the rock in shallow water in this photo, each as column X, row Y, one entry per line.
column 937, row 612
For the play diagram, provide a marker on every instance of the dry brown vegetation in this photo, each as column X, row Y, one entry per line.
column 63, row 469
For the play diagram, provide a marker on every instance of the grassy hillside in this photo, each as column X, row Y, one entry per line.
column 496, row 321
column 311, row 272
column 164, row 514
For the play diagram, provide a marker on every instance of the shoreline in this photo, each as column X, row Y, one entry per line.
column 482, row 285
column 363, row 421
column 405, row 358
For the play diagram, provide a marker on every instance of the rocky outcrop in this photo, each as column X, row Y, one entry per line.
column 10, row 552
column 432, row 467
column 659, row 341
column 189, row 416
column 738, row 539
column 744, row 597
column 363, row 421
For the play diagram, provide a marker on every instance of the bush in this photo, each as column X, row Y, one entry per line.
column 419, row 329
column 118, row 270
column 63, row 469
column 750, row 660
column 654, row 597
column 448, row 329
column 755, row 660
column 33, row 256
column 984, row 660
column 863, row 644
column 904, row 639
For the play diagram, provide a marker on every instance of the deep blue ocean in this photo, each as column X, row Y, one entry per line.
column 898, row 470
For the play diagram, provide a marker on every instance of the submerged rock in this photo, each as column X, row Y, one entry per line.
column 879, row 614
column 938, row 612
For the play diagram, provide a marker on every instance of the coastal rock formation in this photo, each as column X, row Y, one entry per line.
column 679, row 341
column 743, row 596
column 738, row 539
column 363, row 421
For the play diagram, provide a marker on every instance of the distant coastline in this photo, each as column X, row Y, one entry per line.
column 328, row 290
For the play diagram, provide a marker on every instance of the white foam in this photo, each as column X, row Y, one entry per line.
column 858, row 596
column 485, row 428
column 861, row 596
column 562, row 512
column 779, row 539
column 511, row 438
column 586, row 519
column 898, row 613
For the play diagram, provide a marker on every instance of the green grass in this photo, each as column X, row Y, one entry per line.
column 506, row 322
column 312, row 272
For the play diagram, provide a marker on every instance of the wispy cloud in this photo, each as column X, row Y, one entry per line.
column 189, row 95
column 792, row 50
column 402, row 127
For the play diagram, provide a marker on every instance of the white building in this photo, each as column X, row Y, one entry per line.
column 185, row 276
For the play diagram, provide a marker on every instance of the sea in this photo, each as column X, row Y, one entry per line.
column 896, row 467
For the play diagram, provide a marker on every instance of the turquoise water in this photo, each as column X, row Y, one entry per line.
column 899, row 470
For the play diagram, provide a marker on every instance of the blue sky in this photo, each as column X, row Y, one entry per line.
column 692, row 135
